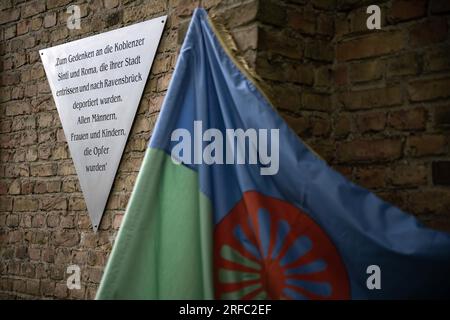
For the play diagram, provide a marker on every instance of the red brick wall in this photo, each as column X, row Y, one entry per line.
column 374, row 104
column 391, row 104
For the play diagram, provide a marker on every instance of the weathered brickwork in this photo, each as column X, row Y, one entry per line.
column 374, row 104
column 392, row 86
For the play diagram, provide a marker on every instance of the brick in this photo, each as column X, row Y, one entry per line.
column 77, row 204
column 60, row 152
column 89, row 240
column 94, row 274
column 17, row 93
column 8, row 79
column 414, row 119
column 33, row 8
column 341, row 75
column 324, row 4
column 43, row 169
column 47, row 287
column 66, row 169
column 425, row 90
column 280, row 43
column 323, row 77
column 117, row 221
column 319, row 50
column 324, row 149
column 20, row 59
column 17, row 108
column 419, row 201
column 298, row 73
column 52, row 202
column 10, row 32
column 50, row 20
column 428, row 32
column 109, row 4
column 403, row 10
column 408, row 175
column 67, row 222
column 21, row 252
column 246, row 38
column 369, row 150
column 62, row 256
column 30, row 90
column 15, row 236
column 301, row 22
column 38, row 221
column 371, row 98
column 371, row 122
column 163, row 82
column 37, row 72
column 34, row 254
column 441, row 173
column 59, row 33
column 287, row 98
column 36, row 23
column 5, row 4
column 9, row 15
column 298, row 124
column 53, row 220
column 45, row 119
column 320, row 126
column 325, row 25
column 28, row 137
column 77, row 293
column 57, row 3
column 70, row 185
column 425, row 145
column 23, row 122
column 442, row 116
column 402, row 65
column 439, row 6
column 61, row 291
column 27, row 187
column 313, row 101
column 240, row 15
column 371, row 177
column 57, row 272
column 25, row 204
column 14, row 187
column 271, row 12
column 366, row 71
column 19, row 286
column 27, row 270
column 371, row 45
column 343, row 125
column 137, row 13
column 12, row 220
column 67, row 238
column 437, row 59
column 31, row 154
column 22, row 27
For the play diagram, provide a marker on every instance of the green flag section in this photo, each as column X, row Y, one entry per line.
column 172, row 257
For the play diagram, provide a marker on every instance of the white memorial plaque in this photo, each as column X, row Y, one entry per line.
column 97, row 83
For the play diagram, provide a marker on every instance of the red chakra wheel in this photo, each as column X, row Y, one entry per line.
column 266, row 248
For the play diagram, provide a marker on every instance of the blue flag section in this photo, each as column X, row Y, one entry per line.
column 286, row 225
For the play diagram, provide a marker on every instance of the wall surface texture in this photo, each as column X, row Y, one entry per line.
column 374, row 103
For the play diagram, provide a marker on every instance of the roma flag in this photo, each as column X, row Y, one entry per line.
column 230, row 204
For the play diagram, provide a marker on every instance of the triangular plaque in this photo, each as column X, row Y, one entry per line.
column 97, row 83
